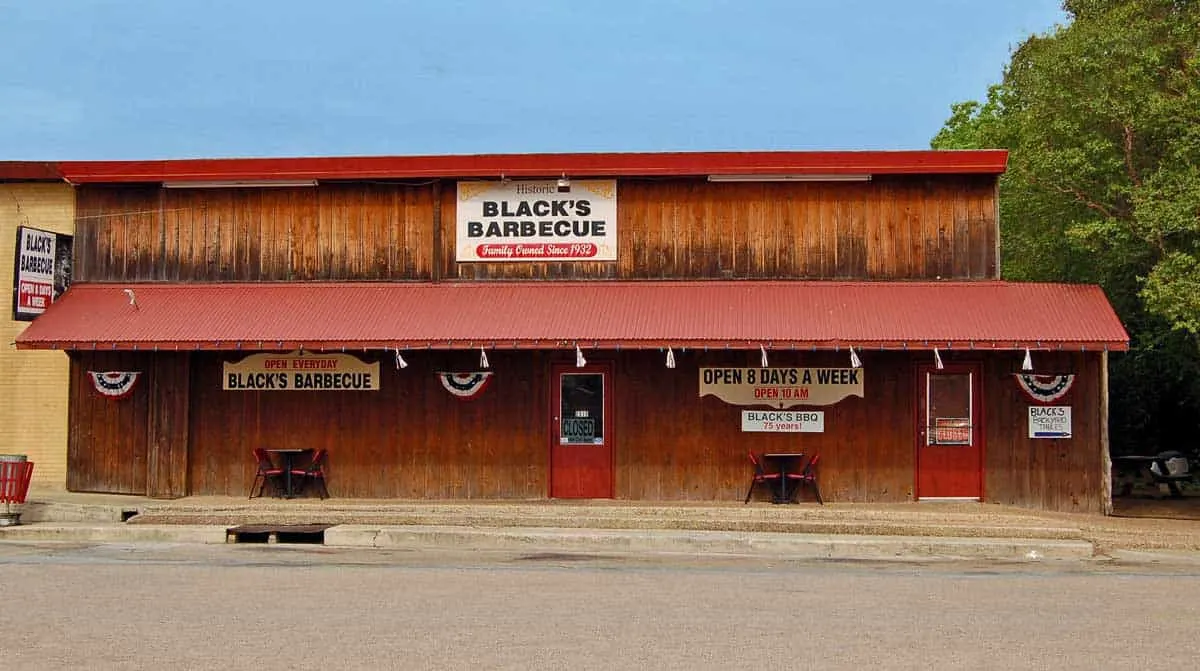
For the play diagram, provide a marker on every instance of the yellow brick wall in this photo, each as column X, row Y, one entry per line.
column 33, row 384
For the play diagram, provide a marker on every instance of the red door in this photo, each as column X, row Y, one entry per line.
column 949, row 433
column 581, row 454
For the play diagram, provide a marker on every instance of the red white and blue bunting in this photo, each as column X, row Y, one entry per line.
column 1044, row 388
column 114, row 384
column 465, row 385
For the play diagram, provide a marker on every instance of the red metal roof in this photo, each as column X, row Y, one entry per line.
column 29, row 171
column 597, row 314
column 991, row 161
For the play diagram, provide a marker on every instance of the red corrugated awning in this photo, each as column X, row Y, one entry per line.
column 646, row 164
column 596, row 314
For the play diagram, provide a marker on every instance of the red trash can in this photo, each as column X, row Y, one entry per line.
column 15, row 474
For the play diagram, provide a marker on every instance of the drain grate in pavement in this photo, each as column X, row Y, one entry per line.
column 313, row 534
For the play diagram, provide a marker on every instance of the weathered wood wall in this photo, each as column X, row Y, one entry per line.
column 1050, row 474
column 889, row 228
column 414, row 440
column 107, row 443
column 676, row 446
column 167, row 425
column 409, row 439
column 336, row 231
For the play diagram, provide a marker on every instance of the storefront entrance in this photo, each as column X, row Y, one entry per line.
column 581, row 451
column 949, row 433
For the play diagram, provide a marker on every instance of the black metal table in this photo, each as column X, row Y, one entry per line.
column 287, row 458
column 786, row 462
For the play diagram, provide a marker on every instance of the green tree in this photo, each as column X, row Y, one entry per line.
column 1102, row 120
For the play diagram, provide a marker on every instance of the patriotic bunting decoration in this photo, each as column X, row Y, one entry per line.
column 1044, row 388
column 114, row 384
column 465, row 385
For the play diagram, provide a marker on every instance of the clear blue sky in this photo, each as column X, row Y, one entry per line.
column 134, row 79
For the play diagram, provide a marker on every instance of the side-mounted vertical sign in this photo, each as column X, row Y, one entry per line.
column 41, row 270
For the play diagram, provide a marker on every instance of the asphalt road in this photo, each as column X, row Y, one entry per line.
column 309, row 607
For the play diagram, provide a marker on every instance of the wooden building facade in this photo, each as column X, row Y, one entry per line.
column 584, row 368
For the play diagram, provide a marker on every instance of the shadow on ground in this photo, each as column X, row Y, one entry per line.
column 1149, row 500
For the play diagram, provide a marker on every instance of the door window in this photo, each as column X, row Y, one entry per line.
column 581, row 420
column 948, row 409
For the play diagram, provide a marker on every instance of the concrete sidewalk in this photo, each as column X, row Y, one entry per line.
column 838, row 531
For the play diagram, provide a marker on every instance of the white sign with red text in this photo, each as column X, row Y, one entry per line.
column 42, row 272
column 552, row 220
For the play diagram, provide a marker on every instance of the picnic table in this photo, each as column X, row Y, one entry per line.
column 1168, row 468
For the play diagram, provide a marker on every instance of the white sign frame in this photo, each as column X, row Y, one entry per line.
column 41, row 270
column 783, row 421
column 536, row 221
column 1050, row 421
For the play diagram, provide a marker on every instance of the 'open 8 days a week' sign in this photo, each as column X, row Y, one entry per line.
column 781, row 387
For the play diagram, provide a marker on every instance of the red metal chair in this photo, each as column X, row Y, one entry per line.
column 314, row 473
column 266, row 472
column 807, row 477
column 760, row 476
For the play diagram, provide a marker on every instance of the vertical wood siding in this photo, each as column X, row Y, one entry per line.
column 332, row 232
column 674, row 445
column 106, row 450
column 1065, row 474
column 167, row 426
column 414, row 440
column 180, row 433
column 410, row 439
column 889, row 228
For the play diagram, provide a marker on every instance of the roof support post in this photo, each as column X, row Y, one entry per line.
column 1105, row 474
column 436, row 256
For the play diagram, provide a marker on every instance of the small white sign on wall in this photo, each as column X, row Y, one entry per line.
column 1049, row 421
column 784, row 421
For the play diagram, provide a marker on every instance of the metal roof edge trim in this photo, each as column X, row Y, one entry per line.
column 611, row 164
column 558, row 343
